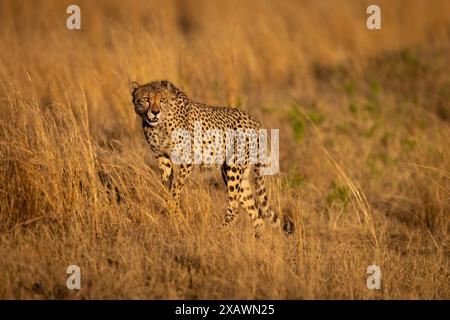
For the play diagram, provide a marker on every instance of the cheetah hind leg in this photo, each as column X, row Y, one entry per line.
column 265, row 210
column 231, row 175
column 247, row 201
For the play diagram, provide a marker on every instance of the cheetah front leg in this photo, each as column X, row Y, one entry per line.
column 166, row 167
column 183, row 171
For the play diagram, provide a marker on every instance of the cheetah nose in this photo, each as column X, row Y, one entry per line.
column 155, row 113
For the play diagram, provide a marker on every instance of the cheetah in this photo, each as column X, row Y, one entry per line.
column 166, row 110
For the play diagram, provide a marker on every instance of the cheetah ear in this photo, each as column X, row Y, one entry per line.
column 168, row 85
column 133, row 86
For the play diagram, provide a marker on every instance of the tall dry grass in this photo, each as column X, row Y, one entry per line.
column 365, row 163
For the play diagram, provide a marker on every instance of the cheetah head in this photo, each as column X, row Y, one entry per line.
column 152, row 100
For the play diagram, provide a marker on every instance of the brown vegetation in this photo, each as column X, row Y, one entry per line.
column 364, row 120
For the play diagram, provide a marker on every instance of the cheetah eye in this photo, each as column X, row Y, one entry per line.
column 146, row 99
column 163, row 100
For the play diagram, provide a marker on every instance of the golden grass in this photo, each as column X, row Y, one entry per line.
column 365, row 160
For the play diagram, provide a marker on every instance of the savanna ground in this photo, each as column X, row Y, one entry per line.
column 364, row 119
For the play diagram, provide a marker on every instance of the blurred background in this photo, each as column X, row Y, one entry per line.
column 364, row 126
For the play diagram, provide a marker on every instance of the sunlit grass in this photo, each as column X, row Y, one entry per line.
column 364, row 156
